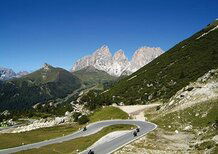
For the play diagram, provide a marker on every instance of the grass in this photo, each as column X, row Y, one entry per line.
column 91, row 76
column 205, row 145
column 203, row 119
column 77, row 144
column 16, row 139
column 108, row 113
column 151, row 113
column 188, row 116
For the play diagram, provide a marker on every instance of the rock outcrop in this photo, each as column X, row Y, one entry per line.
column 6, row 74
column 143, row 56
column 120, row 63
column 117, row 65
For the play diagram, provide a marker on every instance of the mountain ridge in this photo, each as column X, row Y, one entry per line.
column 90, row 76
column 7, row 73
column 160, row 79
column 174, row 69
column 115, row 65
column 40, row 86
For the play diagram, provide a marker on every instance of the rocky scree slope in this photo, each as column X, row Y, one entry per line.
column 193, row 110
column 202, row 90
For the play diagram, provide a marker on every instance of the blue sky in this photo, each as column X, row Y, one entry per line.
column 61, row 31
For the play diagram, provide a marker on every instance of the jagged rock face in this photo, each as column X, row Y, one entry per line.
column 46, row 67
column 143, row 56
column 117, row 65
column 6, row 73
column 21, row 73
column 100, row 59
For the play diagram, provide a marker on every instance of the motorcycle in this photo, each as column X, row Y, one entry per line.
column 134, row 133
column 91, row 152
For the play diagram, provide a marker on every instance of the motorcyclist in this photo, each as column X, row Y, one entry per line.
column 134, row 133
column 91, row 152
column 137, row 129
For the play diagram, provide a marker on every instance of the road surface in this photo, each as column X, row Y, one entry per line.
column 104, row 148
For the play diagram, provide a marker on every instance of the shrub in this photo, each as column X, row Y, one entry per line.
column 76, row 116
column 83, row 119
column 157, row 108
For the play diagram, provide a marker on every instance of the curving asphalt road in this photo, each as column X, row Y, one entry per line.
column 104, row 148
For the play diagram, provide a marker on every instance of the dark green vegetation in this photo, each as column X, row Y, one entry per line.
column 107, row 113
column 90, row 77
column 76, row 116
column 78, row 144
column 17, row 139
column 49, row 109
column 83, row 119
column 164, row 76
column 40, row 86
column 94, row 99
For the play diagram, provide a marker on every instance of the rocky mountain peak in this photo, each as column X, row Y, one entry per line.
column 143, row 56
column 119, row 55
column 46, row 65
column 103, row 51
column 7, row 73
column 102, row 59
column 144, row 51
column 21, row 73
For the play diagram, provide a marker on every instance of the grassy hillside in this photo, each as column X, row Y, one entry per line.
column 197, row 123
column 171, row 71
column 108, row 113
column 191, row 130
column 90, row 76
column 199, row 116
column 40, row 86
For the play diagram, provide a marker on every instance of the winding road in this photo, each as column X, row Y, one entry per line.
column 103, row 148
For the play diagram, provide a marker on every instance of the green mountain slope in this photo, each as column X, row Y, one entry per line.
column 171, row 71
column 40, row 86
column 90, row 76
